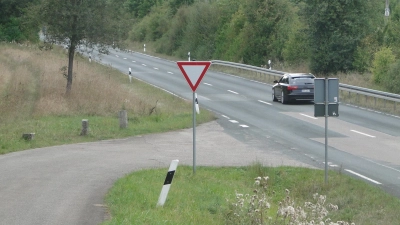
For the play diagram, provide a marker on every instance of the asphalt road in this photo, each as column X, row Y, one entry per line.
column 66, row 184
column 363, row 143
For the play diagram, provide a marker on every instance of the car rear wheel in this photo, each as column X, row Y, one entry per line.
column 283, row 99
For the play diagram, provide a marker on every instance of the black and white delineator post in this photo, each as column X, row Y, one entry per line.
column 167, row 182
column 197, row 103
column 130, row 75
column 326, row 104
column 194, row 72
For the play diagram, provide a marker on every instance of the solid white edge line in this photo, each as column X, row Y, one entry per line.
column 314, row 118
column 382, row 165
column 362, row 176
column 233, row 92
column 358, row 132
column 265, row 102
column 161, row 89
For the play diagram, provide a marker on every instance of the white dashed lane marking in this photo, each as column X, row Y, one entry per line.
column 233, row 121
column 170, row 72
column 358, row 132
column 267, row 103
column 233, row 92
column 143, row 64
column 314, row 118
column 208, row 84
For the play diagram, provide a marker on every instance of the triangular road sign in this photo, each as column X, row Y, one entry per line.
column 193, row 71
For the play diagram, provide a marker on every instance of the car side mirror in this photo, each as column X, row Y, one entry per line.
column 275, row 81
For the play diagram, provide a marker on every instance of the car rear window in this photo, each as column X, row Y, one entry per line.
column 302, row 80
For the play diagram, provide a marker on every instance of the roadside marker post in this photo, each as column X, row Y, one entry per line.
column 197, row 104
column 130, row 75
column 194, row 71
column 167, row 182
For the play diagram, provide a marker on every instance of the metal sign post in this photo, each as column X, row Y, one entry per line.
column 194, row 73
column 326, row 129
column 326, row 103
column 194, row 133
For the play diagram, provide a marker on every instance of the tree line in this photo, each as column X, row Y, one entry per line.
column 329, row 36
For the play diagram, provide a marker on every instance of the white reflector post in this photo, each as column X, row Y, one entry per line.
column 197, row 104
column 167, row 182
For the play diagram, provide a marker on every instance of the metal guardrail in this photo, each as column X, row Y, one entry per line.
column 344, row 87
column 248, row 67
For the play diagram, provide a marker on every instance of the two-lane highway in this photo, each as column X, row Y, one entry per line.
column 363, row 143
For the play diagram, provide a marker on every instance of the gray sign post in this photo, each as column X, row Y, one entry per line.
column 193, row 73
column 326, row 103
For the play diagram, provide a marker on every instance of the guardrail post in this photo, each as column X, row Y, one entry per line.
column 349, row 96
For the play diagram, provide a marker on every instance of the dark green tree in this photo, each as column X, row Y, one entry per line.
column 176, row 4
column 267, row 29
column 75, row 23
column 336, row 28
column 140, row 8
column 12, row 21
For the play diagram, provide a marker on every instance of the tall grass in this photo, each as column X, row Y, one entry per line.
column 33, row 100
column 207, row 196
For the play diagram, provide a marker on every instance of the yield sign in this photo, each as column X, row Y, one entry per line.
column 194, row 71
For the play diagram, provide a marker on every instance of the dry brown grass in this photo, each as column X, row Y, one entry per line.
column 31, row 74
column 33, row 100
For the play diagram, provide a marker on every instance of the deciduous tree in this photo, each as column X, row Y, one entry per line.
column 77, row 22
column 336, row 28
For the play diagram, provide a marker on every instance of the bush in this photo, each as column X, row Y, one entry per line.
column 383, row 59
column 256, row 208
column 391, row 81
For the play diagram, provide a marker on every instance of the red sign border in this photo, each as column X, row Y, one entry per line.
column 207, row 64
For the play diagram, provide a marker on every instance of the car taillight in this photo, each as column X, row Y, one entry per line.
column 291, row 88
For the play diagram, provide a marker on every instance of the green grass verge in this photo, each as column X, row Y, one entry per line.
column 202, row 198
column 58, row 130
column 34, row 102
